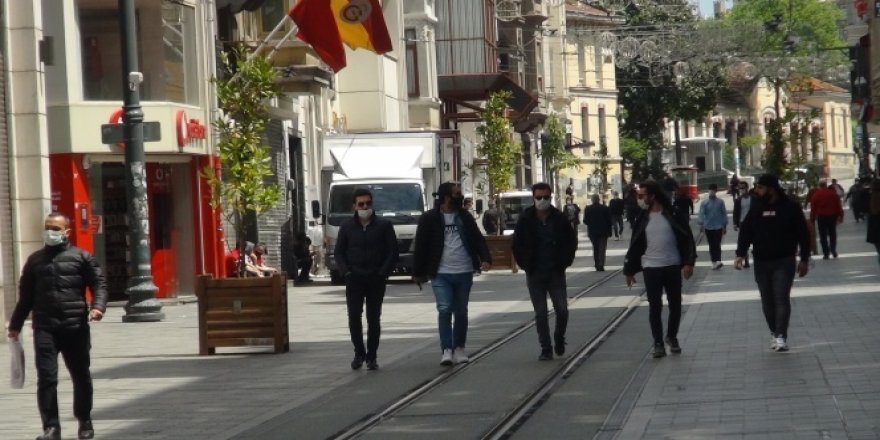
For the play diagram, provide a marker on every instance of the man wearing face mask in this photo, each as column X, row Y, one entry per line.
column 449, row 248
column 544, row 245
column 777, row 230
column 366, row 252
column 53, row 286
column 663, row 247
column 713, row 222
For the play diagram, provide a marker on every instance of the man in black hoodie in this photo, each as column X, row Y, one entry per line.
column 53, row 286
column 366, row 252
column 777, row 229
column 544, row 245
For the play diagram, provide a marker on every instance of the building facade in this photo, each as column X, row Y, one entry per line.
column 65, row 70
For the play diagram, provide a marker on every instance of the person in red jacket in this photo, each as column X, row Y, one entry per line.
column 827, row 211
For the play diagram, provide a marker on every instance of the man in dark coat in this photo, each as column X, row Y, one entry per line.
column 449, row 248
column 597, row 219
column 53, row 286
column 617, row 208
column 544, row 244
column 366, row 252
column 663, row 249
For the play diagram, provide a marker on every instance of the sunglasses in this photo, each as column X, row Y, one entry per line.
column 364, row 204
column 542, row 197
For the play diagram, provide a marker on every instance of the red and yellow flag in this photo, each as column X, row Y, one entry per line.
column 326, row 24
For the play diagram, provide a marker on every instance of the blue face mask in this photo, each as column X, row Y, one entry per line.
column 53, row 238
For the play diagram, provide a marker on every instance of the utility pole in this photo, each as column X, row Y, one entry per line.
column 142, row 305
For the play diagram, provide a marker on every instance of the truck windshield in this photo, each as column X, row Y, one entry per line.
column 512, row 208
column 399, row 203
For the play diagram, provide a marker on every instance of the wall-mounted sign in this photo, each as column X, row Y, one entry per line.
column 188, row 129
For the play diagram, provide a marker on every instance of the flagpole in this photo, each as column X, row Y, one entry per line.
column 278, row 44
column 268, row 37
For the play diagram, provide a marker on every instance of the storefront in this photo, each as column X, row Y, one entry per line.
column 185, row 234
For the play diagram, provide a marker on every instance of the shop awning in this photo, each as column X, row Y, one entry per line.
column 478, row 87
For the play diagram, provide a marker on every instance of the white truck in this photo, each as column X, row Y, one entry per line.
column 399, row 168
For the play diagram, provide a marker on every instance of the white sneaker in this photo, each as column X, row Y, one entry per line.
column 717, row 265
column 446, row 359
column 459, row 356
column 772, row 341
column 781, row 345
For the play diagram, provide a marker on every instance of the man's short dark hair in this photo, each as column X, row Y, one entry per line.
column 713, row 187
column 360, row 192
column 541, row 186
column 56, row 214
column 445, row 189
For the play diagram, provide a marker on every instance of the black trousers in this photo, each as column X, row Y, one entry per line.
column 658, row 280
column 304, row 266
column 714, row 237
column 617, row 225
column 774, row 278
column 827, row 231
column 600, row 246
column 541, row 285
column 74, row 346
column 369, row 289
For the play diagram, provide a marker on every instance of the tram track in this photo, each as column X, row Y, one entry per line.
column 527, row 405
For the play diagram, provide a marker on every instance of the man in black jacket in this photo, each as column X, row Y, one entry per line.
column 544, row 245
column 366, row 252
column 53, row 286
column 597, row 219
column 449, row 248
column 616, row 207
column 777, row 229
column 663, row 247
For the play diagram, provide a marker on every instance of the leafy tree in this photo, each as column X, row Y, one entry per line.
column 497, row 147
column 553, row 150
column 634, row 152
column 651, row 91
column 242, row 186
column 600, row 171
column 799, row 28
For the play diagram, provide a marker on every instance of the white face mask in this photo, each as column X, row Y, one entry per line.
column 643, row 204
column 365, row 213
column 53, row 238
column 542, row 205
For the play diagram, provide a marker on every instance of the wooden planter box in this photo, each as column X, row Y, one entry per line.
column 242, row 312
column 501, row 250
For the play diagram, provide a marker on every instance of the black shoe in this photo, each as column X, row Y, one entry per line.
column 546, row 355
column 372, row 364
column 673, row 345
column 600, row 269
column 659, row 350
column 834, row 254
column 51, row 433
column 357, row 362
column 825, row 257
column 85, row 430
column 560, row 345
column 746, row 265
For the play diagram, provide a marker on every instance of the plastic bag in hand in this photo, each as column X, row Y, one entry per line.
column 16, row 369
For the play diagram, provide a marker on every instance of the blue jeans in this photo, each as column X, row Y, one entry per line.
column 452, row 292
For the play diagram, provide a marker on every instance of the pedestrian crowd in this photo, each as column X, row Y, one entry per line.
column 450, row 249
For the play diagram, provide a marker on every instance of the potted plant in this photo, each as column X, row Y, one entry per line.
column 243, row 311
column 501, row 157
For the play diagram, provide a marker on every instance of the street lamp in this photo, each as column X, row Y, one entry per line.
column 142, row 305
